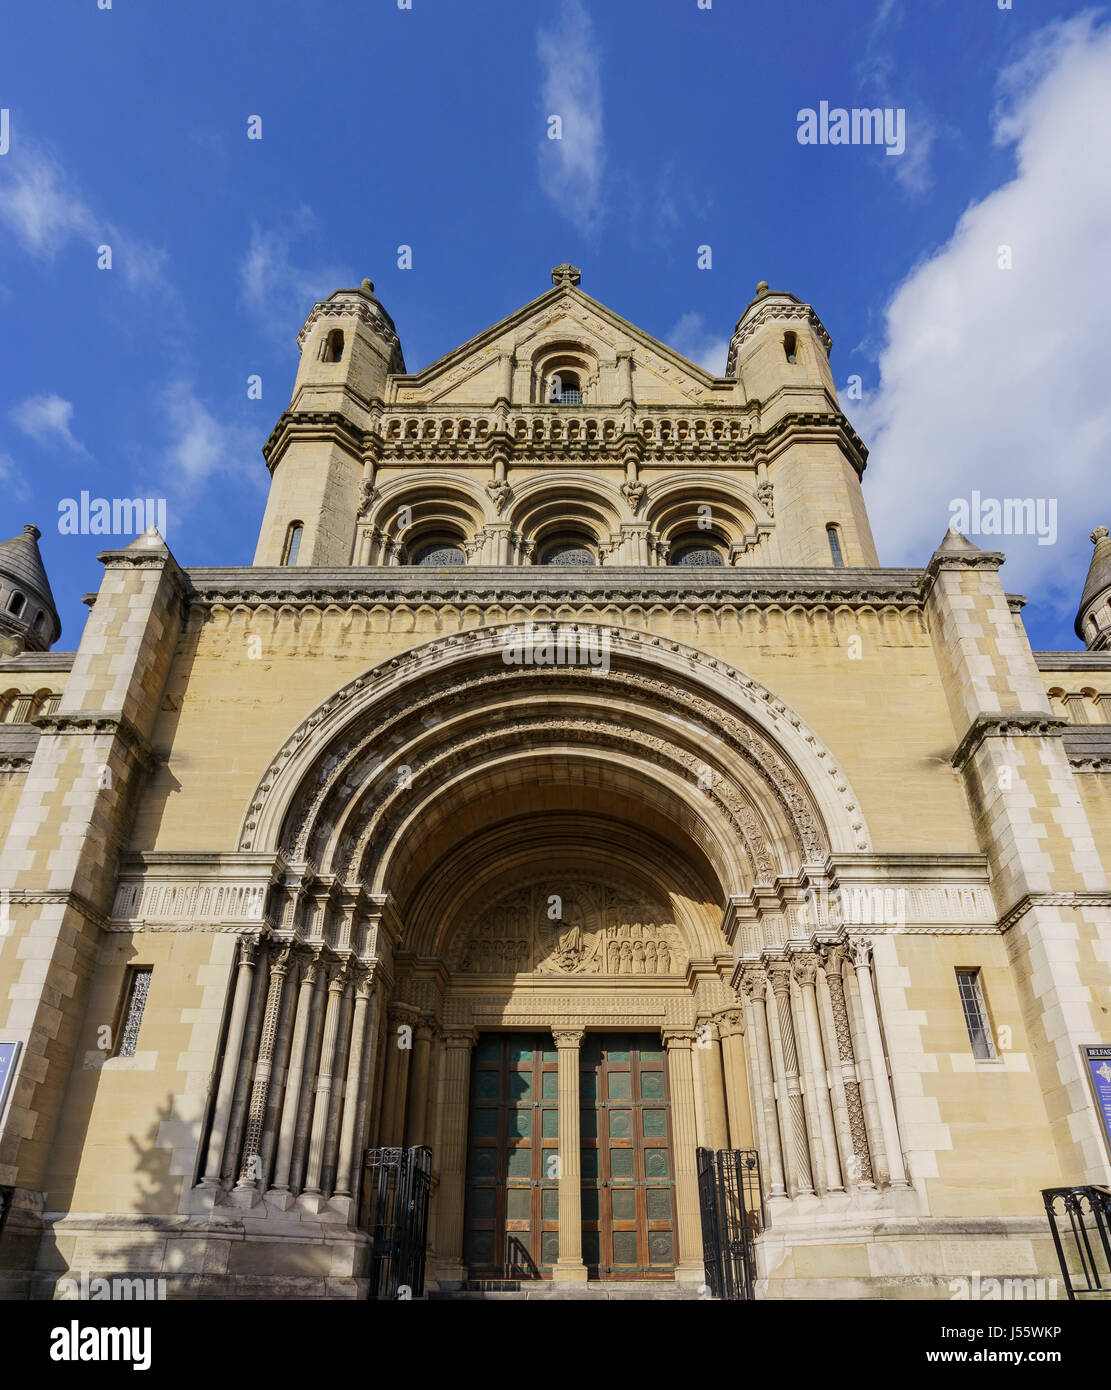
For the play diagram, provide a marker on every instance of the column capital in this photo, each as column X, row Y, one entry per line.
column 459, row 1039
column 731, row 1022
column 779, row 973
column 804, row 967
column 860, row 951
column 679, row 1039
column 568, row 1037
column 248, row 948
column 754, row 981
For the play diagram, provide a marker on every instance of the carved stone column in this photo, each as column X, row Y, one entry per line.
column 569, row 1267
column 417, row 1111
column 290, row 1105
column 849, row 1111
column 754, row 987
column 349, row 1143
column 860, row 950
column 680, row 1072
column 399, row 1051
column 792, row 1115
column 805, row 968
column 250, row 1173
column 708, row 1073
column 337, row 985
column 229, row 1071
column 449, row 1210
column 731, row 1026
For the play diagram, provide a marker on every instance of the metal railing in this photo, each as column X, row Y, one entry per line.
column 1080, row 1220
column 396, row 1185
column 732, row 1207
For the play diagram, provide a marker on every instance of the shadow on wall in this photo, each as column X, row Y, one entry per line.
column 90, row 1264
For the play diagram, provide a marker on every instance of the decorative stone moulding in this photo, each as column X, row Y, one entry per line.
column 348, row 587
column 747, row 715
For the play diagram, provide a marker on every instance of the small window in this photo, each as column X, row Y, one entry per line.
column 333, row 346
column 40, row 620
column 571, row 551
column 564, row 389
column 136, row 987
column 790, row 347
column 976, row 1015
column 292, row 543
column 15, row 603
column 835, row 547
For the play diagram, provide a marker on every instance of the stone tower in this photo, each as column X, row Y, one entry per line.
column 316, row 453
column 779, row 353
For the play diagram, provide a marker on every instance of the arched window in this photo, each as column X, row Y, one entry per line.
column 568, row 550
column 15, row 603
column 564, row 389
column 40, row 620
column 292, row 543
column 333, row 346
column 790, row 347
column 835, row 546
column 440, row 553
column 696, row 553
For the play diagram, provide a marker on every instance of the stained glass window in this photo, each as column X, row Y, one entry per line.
column 137, row 986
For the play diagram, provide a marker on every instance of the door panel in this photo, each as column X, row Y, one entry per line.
column 628, row 1192
column 511, row 1215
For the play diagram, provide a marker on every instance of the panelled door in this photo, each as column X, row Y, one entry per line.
column 628, row 1180
column 511, row 1216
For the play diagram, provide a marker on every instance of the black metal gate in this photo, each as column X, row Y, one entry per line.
column 732, row 1206
column 395, row 1204
column 1085, row 1255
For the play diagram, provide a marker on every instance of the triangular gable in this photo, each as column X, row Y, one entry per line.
column 469, row 373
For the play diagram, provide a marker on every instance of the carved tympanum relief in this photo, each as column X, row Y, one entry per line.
column 557, row 927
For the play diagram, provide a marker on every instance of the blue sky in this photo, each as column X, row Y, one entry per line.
column 427, row 127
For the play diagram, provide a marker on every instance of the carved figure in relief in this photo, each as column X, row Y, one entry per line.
column 600, row 931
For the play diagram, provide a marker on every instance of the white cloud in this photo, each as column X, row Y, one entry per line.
column 43, row 210
column 14, row 483
column 571, row 167
column 996, row 380
column 693, row 339
column 45, row 419
column 876, row 71
column 202, row 447
column 278, row 290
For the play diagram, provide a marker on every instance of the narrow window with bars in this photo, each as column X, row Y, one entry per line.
column 136, row 988
column 976, row 1018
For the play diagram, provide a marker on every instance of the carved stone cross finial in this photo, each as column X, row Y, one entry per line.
column 566, row 274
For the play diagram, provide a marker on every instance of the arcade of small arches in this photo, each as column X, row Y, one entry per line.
column 427, row 519
column 1085, row 706
column 20, row 706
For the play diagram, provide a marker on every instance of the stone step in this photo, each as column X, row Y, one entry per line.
column 607, row 1290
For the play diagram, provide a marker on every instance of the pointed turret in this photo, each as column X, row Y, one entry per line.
column 1093, row 618
column 28, row 618
column 955, row 542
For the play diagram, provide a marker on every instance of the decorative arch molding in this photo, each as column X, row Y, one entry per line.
column 793, row 768
column 558, row 493
column 703, row 484
column 430, row 486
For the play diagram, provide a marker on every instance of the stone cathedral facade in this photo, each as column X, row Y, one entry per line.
column 565, row 787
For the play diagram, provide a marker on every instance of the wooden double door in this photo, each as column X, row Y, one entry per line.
column 511, row 1218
